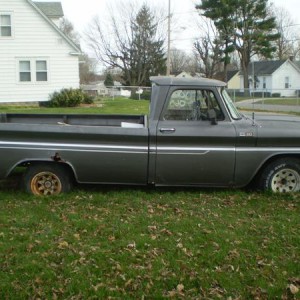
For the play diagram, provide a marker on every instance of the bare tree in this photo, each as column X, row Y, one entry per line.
column 129, row 40
column 68, row 29
column 208, row 48
column 286, row 43
column 87, row 69
column 179, row 61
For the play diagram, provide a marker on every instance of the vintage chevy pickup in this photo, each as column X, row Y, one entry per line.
column 193, row 136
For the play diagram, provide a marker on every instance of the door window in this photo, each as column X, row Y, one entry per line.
column 192, row 105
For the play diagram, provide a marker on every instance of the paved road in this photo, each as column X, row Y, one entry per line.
column 253, row 104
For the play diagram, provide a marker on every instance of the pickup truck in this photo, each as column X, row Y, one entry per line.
column 193, row 136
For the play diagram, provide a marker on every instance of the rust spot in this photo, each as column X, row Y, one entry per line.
column 57, row 157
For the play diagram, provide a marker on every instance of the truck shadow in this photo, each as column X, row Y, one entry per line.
column 14, row 184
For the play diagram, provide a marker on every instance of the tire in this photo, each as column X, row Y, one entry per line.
column 47, row 179
column 281, row 176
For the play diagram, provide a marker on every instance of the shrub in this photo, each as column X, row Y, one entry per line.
column 146, row 95
column 68, row 98
column 276, row 95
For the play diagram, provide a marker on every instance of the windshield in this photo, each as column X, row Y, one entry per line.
column 235, row 114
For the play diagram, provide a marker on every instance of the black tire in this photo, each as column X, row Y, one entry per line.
column 43, row 179
column 281, row 176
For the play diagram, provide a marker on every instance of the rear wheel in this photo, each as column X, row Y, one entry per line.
column 47, row 179
column 281, row 176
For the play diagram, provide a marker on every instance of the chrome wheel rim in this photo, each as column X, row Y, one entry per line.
column 285, row 181
column 45, row 183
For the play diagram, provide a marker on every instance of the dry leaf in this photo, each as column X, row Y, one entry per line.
column 63, row 245
column 293, row 289
column 180, row 288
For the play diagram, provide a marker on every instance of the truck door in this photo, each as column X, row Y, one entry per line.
column 190, row 149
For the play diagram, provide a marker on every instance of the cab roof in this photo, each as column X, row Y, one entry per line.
column 191, row 81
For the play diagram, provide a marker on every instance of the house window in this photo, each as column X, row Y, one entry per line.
column 41, row 70
column 33, row 70
column 5, row 25
column 264, row 83
column 25, row 70
column 287, row 82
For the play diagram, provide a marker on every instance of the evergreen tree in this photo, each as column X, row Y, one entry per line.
column 147, row 57
column 245, row 26
column 109, row 81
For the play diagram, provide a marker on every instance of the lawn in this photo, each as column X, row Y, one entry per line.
column 136, row 243
column 106, row 106
column 110, row 242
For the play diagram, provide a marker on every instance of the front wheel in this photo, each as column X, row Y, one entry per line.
column 281, row 176
column 46, row 179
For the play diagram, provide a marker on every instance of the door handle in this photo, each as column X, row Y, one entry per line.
column 170, row 130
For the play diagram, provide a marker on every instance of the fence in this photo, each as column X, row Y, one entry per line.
column 132, row 92
column 279, row 100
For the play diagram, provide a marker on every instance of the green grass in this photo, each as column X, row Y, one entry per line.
column 109, row 106
column 130, row 243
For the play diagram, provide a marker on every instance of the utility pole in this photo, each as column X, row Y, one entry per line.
column 169, row 41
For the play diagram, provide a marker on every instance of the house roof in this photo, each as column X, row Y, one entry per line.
column 68, row 40
column 231, row 74
column 264, row 67
column 50, row 9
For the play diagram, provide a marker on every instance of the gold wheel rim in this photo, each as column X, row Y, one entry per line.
column 45, row 183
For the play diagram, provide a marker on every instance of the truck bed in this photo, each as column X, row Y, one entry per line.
column 129, row 121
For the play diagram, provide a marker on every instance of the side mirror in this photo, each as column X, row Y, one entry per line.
column 212, row 116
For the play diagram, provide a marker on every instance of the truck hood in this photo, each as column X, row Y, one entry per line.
column 278, row 130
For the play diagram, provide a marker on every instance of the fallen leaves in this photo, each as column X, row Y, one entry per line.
column 293, row 289
column 141, row 244
column 63, row 245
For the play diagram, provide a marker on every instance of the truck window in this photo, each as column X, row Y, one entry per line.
column 192, row 105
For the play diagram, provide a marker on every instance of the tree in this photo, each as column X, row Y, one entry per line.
column 245, row 26
column 87, row 67
column 179, row 61
column 134, row 44
column 68, row 29
column 109, row 81
column 208, row 49
column 285, row 27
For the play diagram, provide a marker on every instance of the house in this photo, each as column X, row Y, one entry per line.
column 233, row 79
column 281, row 77
column 36, row 58
column 99, row 89
column 95, row 89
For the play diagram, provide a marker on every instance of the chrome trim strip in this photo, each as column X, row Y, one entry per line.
column 267, row 149
column 137, row 149
column 85, row 147
column 205, row 149
column 77, row 150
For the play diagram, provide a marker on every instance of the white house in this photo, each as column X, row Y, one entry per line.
column 36, row 58
column 95, row 89
column 233, row 79
column 99, row 89
column 280, row 77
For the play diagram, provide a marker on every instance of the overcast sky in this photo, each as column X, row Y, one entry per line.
column 81, row 12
